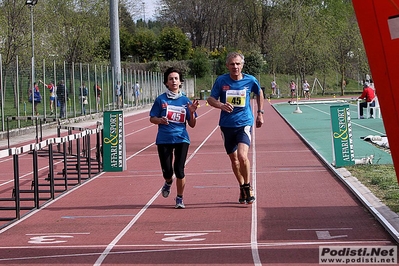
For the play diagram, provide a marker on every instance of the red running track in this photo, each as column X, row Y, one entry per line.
column 121, row 218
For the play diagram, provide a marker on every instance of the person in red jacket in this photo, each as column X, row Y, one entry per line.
column 368, row 95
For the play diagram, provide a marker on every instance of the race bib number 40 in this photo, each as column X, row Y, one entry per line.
column 176, row 114
column 237, row 98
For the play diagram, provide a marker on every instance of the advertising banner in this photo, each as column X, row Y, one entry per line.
column 114, row 150
column 343, row 152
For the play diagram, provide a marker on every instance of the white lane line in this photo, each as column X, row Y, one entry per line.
column 254, row 223
column 246, row 244
column 62, row 195
column 110, row 246
column 113, row 244
column 182, row 247
column 318, row 229
column 29, row 174
column 136, row 131
column 40, row 234
column 376, row 131
column 182, row 232
column 50, row 203
column 354, row 123
column 97, row 216
column 214, row 186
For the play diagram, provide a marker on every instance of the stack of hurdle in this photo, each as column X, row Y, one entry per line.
column 58, row 164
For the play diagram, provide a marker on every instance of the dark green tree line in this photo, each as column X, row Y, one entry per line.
column 293, row 37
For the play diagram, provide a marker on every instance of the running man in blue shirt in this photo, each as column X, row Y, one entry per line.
column 231, row 94
column 171, row 111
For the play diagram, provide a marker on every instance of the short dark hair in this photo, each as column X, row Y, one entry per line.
column 172, row 70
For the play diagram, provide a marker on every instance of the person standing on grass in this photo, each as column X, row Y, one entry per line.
column 292, row 90
column 231, row 94
column 274, row 87
column 306, row 88
column 171, row 111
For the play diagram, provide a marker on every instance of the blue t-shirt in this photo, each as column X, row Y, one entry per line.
column 176, row 110
column 238, row 93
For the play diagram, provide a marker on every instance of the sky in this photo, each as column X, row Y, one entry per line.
column 150, row 6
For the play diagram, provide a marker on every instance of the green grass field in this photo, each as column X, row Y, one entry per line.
column 381, row 180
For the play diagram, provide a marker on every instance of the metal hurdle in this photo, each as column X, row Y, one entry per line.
column 43, row 190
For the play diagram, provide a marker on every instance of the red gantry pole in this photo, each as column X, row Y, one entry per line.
column 379, row 26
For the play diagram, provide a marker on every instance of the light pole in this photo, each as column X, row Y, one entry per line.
column 31, row 4
column 143, row 3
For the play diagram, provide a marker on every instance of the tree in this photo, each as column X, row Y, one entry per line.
column 126, row 21
column 200, row 64
column 344, row 35
column 144, row 45
column 14, row 30
column 295, row 37
column 300, row 31
column 77, row 28
column 253, row 63
column 191, row 16
column 173, row 44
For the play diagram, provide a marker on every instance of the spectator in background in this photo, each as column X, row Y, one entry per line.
column 292, row 90
column 35, row 98
column 83, row 94
column 306, row 88
column 136, row 93
column 368, row 78
column 274, row 87
column 372, row 84
column 62, row 97
column 123, row 94
column 97, row 92
column 118, row 94
column 52, row 89
column 368, row 95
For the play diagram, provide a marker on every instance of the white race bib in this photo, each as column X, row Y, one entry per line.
column 176, row 114
column 237, row 98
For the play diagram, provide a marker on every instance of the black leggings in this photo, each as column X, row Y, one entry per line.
column 165, row 152
column 364, row 105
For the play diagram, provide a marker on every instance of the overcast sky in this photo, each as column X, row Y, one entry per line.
column 150, row 6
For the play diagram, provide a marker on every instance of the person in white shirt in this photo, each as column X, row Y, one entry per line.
column 306, row 87
column 274, row 87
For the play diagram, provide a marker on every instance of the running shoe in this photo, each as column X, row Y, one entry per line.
column 166, row 190
column 179, row 203
column 249, row 194
column 241, row 200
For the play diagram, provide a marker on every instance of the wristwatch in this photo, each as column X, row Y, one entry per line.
column 261, row 111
